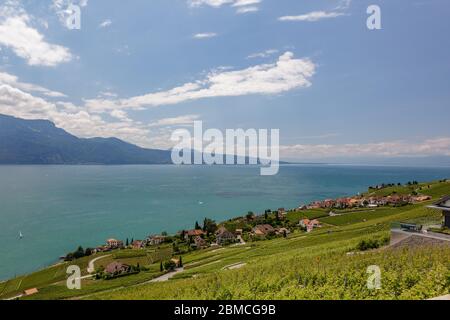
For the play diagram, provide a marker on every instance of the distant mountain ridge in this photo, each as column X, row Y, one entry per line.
column 41, row 142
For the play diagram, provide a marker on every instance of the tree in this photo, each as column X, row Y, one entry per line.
column 197, row 226
column 161, row 268
column 209, row 226
column 170, row 265
column 181, row 262
column 164, row 233
column 79, row 253
column 88, row 252
column 127, row 243
column 249, row 215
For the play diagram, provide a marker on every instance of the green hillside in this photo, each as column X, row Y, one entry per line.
column 323, row 264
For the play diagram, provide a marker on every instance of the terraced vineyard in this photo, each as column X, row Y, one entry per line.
column 323, row 264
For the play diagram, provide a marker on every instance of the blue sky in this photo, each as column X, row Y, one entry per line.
column 140, row 69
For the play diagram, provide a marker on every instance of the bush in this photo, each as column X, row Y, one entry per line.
column 170, row 265
column 368, row 244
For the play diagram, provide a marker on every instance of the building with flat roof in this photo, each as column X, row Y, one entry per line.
column 444, row 206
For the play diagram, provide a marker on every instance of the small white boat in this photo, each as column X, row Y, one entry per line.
column 20, row 235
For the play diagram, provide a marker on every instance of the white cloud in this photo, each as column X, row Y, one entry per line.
column 211, row 3
column 105, row 23
column 120, row 114
column 243, row 10
column 312, row 16
column 176, row 121
column 243, row 6
column 75, row 120
column 286, row 74
column 264, row 54
column 17, row 34
column 243, row 3
column 107, row 94
column 429, row 147
column 6, row 78
column 205, row 35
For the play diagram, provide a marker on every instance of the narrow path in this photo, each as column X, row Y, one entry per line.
column 167, row 276
column 233, row 266
column 91, row 266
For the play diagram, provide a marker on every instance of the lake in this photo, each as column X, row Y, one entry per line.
column 58, row 208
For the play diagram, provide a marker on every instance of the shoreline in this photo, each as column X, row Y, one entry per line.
column 61, row 262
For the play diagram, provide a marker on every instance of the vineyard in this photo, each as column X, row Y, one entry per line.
column 326, row 264
column 417, row 273
column 329, row 263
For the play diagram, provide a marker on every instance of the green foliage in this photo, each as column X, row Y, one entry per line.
column 125, row 254
column 209, row 226
column 79, row 253
column 368, row 244
column 301, row 266
column 169, row 265
column 406, row 274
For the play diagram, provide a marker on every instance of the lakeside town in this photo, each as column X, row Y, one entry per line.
column 249, row 228
column 241, row 241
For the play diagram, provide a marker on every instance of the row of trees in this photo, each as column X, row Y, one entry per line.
column 79, row 253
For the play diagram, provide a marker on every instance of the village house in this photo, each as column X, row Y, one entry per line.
column 304, row 223
column 418, row 199
column 281, row 212
column 315, row 223
column 193, row 233
column 30, row 292
column 117, row 268
column 177, row 262
column 155, row 240
column 101, row 249
column 282, row 231
column 137, row 244
column 114, row 244
column 239, row 232
column 200, row 242
column 370, row 202
column 309, row 225
column 223, row 236
column 263, row 230
column 444, row 206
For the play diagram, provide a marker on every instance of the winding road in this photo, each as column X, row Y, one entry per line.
column 91, row 266
column 167, row 276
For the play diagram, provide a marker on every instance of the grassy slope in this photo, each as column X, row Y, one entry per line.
column 273, row 268
column 314, row 266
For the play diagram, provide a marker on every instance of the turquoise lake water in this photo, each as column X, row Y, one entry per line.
column 58, row 208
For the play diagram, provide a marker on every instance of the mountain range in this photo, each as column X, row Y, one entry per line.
column 41, row 142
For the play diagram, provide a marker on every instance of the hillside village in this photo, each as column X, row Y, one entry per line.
column 250, row 228
column 284, row 243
